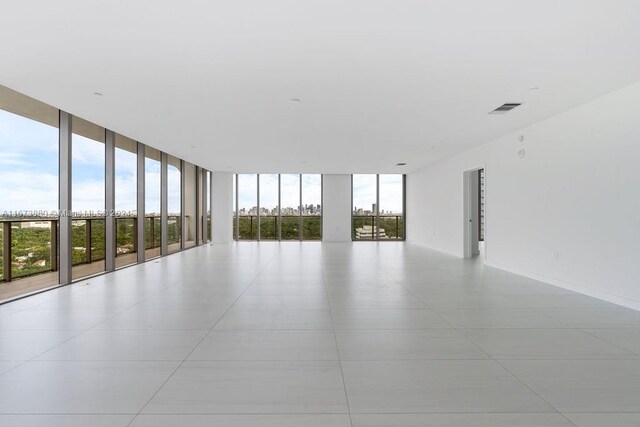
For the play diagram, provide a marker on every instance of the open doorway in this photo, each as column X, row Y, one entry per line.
column 474, row 212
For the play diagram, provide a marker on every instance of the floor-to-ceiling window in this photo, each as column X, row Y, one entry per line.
column 282, row 207
column 364, row 199
column 152, row 185
column 481, row 205
column 247, row 206
column 190, row 208
column 378, row 207
column 29, row 195
column 202, row 206
column 34, row 171
column 174, row 204
column 290, row 206
column 235, row 206
column 88, row 198
column 269, row 206
column 125, row 200
column 311, row 207
column 391, row 210
column 207, row 209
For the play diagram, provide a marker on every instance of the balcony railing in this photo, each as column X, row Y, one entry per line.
column 390, row 227
column 290, row 227
column 29, row 246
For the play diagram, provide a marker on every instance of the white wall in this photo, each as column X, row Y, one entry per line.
column 336, row 208
column 222, row 213
column 568, row 213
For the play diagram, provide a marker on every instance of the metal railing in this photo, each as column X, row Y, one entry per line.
column 292, row 227
column 389, row 227
column 30, row 246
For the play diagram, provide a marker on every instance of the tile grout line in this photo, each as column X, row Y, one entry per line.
column 335, row 338
column 201, row 340
column 636, row 354
column 24, row 362
column 482, row 350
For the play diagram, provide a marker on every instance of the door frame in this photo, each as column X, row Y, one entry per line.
column 469, row 209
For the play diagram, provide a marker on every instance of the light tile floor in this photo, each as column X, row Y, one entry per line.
column 291, row 334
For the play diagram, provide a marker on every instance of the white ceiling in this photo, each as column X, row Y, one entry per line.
column 380, row 82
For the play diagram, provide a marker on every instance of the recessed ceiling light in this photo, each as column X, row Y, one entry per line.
column 97, row 93
column 534, row 88
column 401, row 164
column 296, row 100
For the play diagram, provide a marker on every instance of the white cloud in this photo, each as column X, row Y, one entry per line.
column 87, row 151
column 290, row 191
column 28, row 190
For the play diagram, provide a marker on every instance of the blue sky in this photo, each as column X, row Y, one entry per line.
column 29, row 171
column 28, row 164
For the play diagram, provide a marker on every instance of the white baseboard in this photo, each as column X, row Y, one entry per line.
column 614, row 299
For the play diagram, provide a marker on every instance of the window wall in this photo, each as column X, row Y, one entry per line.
column 311, row 207
column 126, row 178
column 235, row 207
column 391, row 210
column 277, row 207
column 88, row 198
column 364, row 214
column 378, row 207
column 29, row 194
column 152, row 184
column 174, row 204
column 247, row 188
column 290, row 209
column 207, row 209
column 269, row 207
column 190, row 215
column 37, row 142
column 203, row 199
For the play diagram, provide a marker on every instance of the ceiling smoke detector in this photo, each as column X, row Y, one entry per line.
column 505, row 108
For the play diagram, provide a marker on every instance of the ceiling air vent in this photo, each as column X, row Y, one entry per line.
column 505, row 108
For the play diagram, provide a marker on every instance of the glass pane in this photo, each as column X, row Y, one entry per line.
column 203, row 203
column 88, row 182
column 290, row 210
column 248, row 206
column 235, row 235
column 364, row 207
column 312, row 207
column 269, row 207
column 125, row 241
column 30, row 248
column 208, row 207
column 125, row 200
column 152, row 182
column 189, row 233
column 29, row 195
column 174, row 202
column 1, row 255
column 391, row 220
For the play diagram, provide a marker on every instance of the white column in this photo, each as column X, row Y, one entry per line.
column 336, row 208
column 222, row 209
